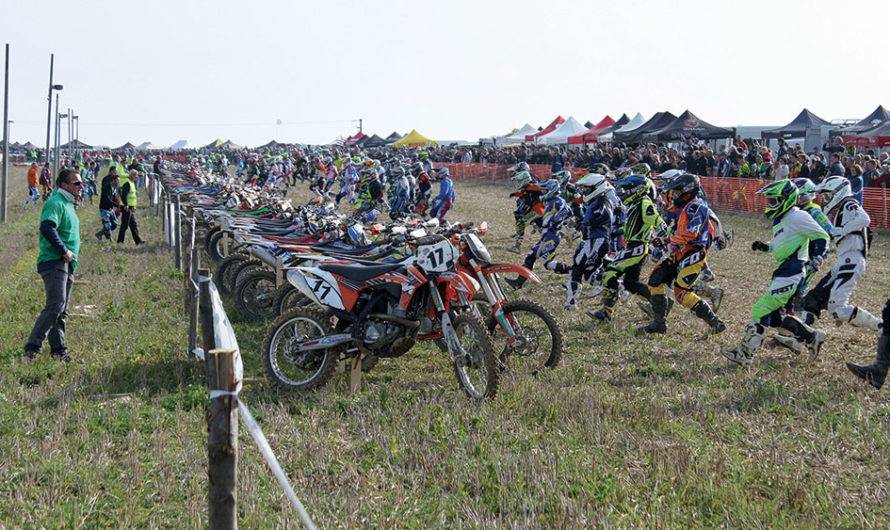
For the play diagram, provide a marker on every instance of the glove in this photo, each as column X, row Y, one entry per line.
column 759, row 246
column 660, row 242
column 814, row 265
column 836, row 232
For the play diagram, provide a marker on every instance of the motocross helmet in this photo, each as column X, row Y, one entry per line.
column 833, row 190
column 806, row 190
column 397, row 171
column 632, row 189
column 521, row 179
column 681, row 190
column 563, row 176
column 549, row 189
column 518, row 168
column 598, row 169
column 593, row 185
column 442, row 172
column 781, row 196
column 641, row 169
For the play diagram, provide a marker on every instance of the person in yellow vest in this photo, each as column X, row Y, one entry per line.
column 128, row 208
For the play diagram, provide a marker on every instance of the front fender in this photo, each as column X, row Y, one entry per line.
column 508, row 268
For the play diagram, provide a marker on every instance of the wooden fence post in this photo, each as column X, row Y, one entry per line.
column 205, row 311
column 177, row 235
column 222, row 442
column 187, row 257
column 163, row 205
column 194, row 291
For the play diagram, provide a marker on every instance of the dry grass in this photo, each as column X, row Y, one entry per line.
column 629, row 431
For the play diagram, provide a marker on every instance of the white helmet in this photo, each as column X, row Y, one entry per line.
column 670, row 174
column 833, row 190
column 593, row 185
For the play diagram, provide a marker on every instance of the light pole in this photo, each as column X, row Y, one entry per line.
column 77, row 131
column 8, row 128
column 49, row 104
column 58, row 148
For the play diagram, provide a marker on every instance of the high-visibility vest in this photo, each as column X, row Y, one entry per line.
column 130, row 199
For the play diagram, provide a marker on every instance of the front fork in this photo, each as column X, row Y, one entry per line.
column 496, row 298
column 458, row 355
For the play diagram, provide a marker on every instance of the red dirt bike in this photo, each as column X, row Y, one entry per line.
column 380, row 310
column 526, row 336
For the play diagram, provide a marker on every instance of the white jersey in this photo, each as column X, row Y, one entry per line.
column 850, row 228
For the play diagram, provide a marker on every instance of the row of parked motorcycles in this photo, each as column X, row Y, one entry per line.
column 336, row 288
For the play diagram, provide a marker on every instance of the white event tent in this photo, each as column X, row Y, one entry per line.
column 561, row 134
column 518, row 137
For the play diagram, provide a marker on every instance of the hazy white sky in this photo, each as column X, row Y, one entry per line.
column 453, row 69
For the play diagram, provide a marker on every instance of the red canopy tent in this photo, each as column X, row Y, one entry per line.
column 549, row 129
column 593, row 132
column 352, row 140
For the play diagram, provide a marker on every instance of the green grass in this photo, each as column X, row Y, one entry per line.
column 629, row 431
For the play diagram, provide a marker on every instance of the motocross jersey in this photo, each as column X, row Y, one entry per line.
column 598, row 219
column 642, row 220
column 693, row 228
column 792, row 234
column 818, row 215
column 556, row 212
column 850, row 231
column 446, row 190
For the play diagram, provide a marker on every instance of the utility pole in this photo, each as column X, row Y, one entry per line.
column 49, row 105
column 5, row 135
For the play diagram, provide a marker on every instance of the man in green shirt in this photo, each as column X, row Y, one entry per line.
column 56, row 263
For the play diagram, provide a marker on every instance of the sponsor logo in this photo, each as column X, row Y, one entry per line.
column 781, row 290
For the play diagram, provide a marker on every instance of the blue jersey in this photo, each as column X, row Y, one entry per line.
column 598, row 219
column 556, row 212
column 446, row 190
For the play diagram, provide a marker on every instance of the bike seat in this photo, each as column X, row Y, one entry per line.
column 360, row 273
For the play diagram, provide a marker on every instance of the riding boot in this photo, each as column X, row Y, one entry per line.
column 517, row 246
column 876, row 372
column 812, row 338
column 559, row 267
column 573, row 290
column 715, row 294
column 703, row 311
column 743, row 354
column 863, row 319
column 604, row 314
column 659, row 313
column 516, row 283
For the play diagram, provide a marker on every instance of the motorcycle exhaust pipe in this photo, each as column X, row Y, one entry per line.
column 410, row 324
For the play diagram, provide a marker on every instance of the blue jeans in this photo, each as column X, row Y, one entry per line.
column 57, row 282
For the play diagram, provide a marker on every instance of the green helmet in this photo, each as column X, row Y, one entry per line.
column 781, row 196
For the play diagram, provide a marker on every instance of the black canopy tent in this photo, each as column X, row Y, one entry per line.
column 656, row 122
column 797, row 128
column 686, row 125
column 622, row 121
column 374, row 141
column 393, row 137
column 877, row 117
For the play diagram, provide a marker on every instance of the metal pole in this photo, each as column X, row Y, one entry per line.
column 68, row 127
column 5, row 135
column 56, row 141
column 49, row 105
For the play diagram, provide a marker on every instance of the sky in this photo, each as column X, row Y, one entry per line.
column 162, row 71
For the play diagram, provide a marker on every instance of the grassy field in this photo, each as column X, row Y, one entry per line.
column 629, row 431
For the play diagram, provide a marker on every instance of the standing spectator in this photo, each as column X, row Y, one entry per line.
column 783, row 149
column 128, row 209
column 109, row 202
column 781, row 171
column 33, row 182
column 855, row 179
column 56, row 263
column 803, row 171
column 46, row 181
column 819, row 170
column 836, row 167
column 869, row 176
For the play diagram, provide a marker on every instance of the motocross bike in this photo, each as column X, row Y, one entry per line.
column 380, row 310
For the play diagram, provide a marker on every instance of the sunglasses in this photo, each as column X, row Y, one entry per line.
column 79, row 183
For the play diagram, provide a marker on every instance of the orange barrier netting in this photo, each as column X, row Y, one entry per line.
column 724, row 194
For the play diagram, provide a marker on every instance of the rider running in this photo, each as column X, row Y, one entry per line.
column 793, row 233
column 688, row 248
column 442, row 203
column 638, row 193
column 556, row 213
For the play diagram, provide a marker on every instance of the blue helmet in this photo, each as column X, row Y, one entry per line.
column 549, row 189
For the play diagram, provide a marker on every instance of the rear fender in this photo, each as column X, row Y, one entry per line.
column 508, row 268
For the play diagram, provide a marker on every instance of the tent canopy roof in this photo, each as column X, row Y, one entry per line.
column 547, row 130
column 593, row 131
column 798, row 126
column 561, row 134
column 688, row 124
column 657, row 121
column 414, row 138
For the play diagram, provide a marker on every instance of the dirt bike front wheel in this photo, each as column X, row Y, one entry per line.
column 289, row 368
column 475, row 365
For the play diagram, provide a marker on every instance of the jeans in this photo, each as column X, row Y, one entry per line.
column 57, row 282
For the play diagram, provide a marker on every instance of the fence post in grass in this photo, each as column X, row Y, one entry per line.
column 222, row 441
column 884, row 223
column 194, row 291
column 187, row 257
column 279, row 272
column 355, row 374
column 162, row 204
column 177, row 232
column 205, row 308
